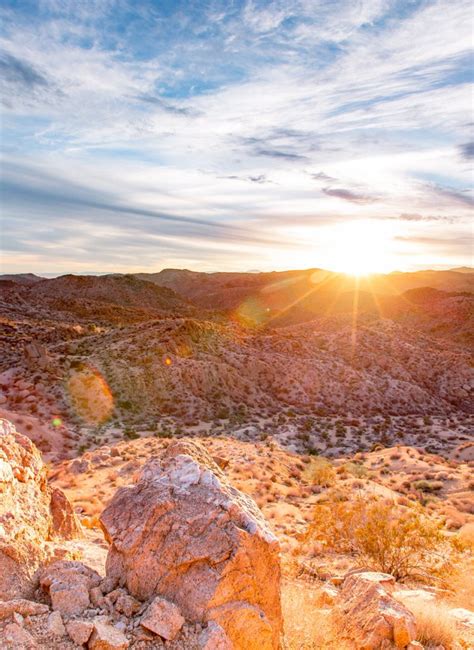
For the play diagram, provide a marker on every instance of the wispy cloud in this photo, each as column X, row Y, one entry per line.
column 467, row 150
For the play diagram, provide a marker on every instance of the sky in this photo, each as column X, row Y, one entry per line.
column 236, row 135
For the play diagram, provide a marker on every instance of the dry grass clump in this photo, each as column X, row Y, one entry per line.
column 434, row 625
column 462, row 585
column 306, row 626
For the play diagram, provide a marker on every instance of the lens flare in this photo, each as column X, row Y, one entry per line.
column 90, row 395
column 252, row 312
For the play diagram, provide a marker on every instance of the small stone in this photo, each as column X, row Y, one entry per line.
column 214, row 638
column 463, row 616
column 107, row 637
column 113, row 595
column 70, row 601
column 163, row 618
column 108, row 584
column 96, row 597
column 18, row 637
column 55, row 624
column 79, row 631
column 68, row 584
column 127, row 605
column 65, row 522
column 377, row 619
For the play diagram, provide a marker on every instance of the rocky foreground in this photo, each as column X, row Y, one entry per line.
column 191, row 564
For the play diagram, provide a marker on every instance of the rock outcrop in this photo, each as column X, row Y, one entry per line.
column 30, row 513
column 370, row 616
column 183, row 533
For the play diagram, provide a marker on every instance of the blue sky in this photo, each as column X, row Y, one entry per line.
column 235, row 135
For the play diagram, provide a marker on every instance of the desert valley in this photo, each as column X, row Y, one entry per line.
column 237, row 461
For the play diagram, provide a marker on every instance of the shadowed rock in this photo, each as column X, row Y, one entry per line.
column 30, row 513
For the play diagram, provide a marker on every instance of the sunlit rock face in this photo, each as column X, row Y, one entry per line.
column 183, row 533
column 29, row 513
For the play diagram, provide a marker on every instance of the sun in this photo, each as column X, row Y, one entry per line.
column 360, row 248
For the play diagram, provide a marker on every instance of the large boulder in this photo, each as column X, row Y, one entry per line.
column 29, row 516
column 370, row 616
column 183, row 533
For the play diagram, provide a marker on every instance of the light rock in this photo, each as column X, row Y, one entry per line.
column 214, row 638
column 26, row 522
column 55, row 624
column 385, row 580
column 372, row 618
column 163, row 618
column 419, row 595
column 107, row 637
column 182, row 532
column 23, row 607
column 79, row 631
column 68, row 584
column 463, row 616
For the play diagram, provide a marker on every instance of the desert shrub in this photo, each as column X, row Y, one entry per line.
column 382, row 536
column 130, row 434
column 320, row 472
column 428, row 486
column 356, row 469
column 163, row 433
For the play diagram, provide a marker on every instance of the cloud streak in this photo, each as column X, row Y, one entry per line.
column 20, row 72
